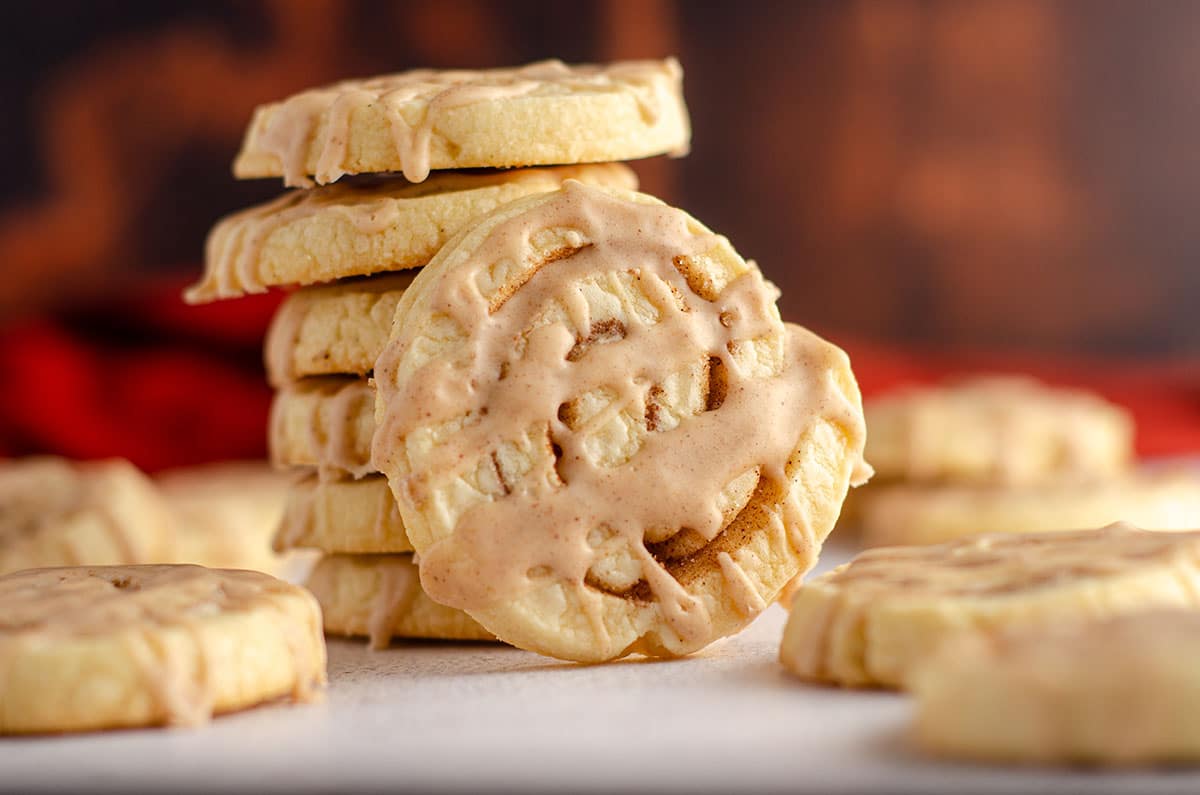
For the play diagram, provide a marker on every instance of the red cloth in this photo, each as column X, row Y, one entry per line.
column 165, row 384
column 149, row 378
column 1163, row 396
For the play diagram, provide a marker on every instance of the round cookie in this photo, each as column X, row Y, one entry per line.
column 342, row 516
column 869, row 622
column 325, row 423
column 338, row 329
column 55, row 512
column 1120, row 691
column 996, row 429
column 117, row 646
column 890, row 515
column 380, row 597
column 601, row 437
column 225, row 515
column 304, row 237
column 545, row 113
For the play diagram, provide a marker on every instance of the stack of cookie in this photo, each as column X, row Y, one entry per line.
column 583, row 413
column 328, row 239
column 1008, row 454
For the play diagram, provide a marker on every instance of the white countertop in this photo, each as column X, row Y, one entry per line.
column 483, row 717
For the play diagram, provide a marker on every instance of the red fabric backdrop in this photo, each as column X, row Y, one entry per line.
column 165, row 384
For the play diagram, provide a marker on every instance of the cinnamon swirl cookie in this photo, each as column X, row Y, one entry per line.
column 544, row 113
column 891, row 515
column 115, row 646
column 869, row 622
column 336, row 329
column 325, row 423
column 379, row 597
column 224, row 515
column 1006, row 430
column 335, row 232
column 342, row 516
column 1121, row 691
column 601, row 437
column 55, row 512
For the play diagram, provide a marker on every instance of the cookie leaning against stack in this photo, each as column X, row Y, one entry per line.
column 602, row 437
column 348, row 244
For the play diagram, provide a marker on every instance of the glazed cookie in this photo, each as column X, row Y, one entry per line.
column 896, row 514
column 602, row 438
column 870, row 621
column 325, row 423
column 342, row 516
column 55, row 512
column 996, row 429
column 544, row 113
column 304, row 237
column 117, row 646
column 337, row 329
column 1119, row 691
column 380, row 597
column 224, row 515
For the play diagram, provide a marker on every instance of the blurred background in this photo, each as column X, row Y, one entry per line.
column 937, row 185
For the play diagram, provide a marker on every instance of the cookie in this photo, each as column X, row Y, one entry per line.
column 544, row 113
column 337, row 329
column 867, row 623
column 996, row 429
column 117, row 646
column 897, row 514
column 353, row 516
column 1120, row 691
column 325, row 423
column 225, row 515
column 55, row 512
column 380, row 597
column 339, row 231
column 602, row 438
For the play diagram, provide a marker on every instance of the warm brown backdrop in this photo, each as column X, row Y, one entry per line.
column 974, row 172
column 939, row 186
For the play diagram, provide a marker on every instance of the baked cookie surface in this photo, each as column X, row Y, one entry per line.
column 868, row 622
column 325, row 423
column 601, row 437
column 346, row 230
column 545, row 113
column 890, row 515
column 224, row 515
column 380, row 597
column 117, row 646
column 996, row 429
column 1119, row 691
column 55, row 512
column 342, row 516
column 338, row 329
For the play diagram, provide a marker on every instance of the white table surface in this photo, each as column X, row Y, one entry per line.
column 483, row 717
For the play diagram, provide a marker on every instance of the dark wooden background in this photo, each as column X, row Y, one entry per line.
column 972, row 174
